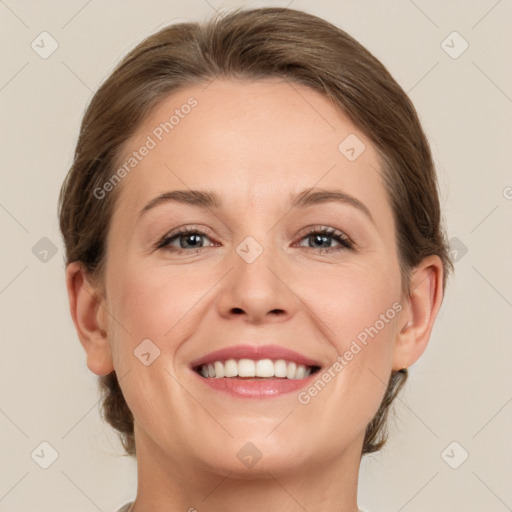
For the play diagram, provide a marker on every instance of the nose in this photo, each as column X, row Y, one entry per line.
column 257, row 291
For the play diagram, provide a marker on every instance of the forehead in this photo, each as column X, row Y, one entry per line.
column 255, row 142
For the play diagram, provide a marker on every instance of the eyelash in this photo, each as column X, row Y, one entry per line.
column 344, row 241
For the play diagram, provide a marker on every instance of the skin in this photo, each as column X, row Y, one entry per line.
column 253, row 143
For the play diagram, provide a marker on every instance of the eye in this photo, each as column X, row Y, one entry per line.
column 190, row 240
column 187, row 240
column 323, row 237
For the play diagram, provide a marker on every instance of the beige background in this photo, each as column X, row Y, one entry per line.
column 459, row 391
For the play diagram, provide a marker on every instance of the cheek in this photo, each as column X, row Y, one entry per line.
column 361, row 309
column 148, row 316
column 360, row 304
column 148, row 304
column 151, row 300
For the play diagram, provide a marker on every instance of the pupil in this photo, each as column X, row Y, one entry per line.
column 189, row 238
column 320, row 238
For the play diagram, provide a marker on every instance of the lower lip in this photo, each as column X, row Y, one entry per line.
column 256, row 388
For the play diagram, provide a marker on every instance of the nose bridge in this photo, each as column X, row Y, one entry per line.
column 256, row 263
column 258, row 240
column 256, row 284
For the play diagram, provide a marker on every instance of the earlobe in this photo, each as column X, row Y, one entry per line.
column 87, row 309
column 419, row 313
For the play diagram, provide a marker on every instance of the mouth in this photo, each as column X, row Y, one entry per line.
column 252, row 371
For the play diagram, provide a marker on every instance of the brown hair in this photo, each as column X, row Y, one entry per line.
column 252, row 44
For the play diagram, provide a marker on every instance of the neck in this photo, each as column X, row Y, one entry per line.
column 166, row 485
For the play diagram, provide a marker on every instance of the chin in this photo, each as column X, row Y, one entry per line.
column 257, row 458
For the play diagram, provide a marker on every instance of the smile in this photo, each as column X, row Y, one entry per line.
column 261, row 368
column 255, row 371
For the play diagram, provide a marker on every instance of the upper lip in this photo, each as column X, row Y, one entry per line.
column 255, row 352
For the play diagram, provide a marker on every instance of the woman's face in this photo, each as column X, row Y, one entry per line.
column 254, row 277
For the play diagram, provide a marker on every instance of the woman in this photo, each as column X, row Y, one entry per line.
column 255, row 255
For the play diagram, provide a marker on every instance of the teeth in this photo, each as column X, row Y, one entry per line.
column 246, row 368
column 291, row 370
column 280, row 368
column 300, row 373
column 219, row 369
column 230, row 368
column 263, row 368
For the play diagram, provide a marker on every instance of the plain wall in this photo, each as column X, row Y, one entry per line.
column 460, row 390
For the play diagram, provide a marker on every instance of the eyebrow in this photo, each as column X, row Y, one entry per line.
column 208, row 199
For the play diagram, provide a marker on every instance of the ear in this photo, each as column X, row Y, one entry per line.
column 419, row 312
column 87, row 308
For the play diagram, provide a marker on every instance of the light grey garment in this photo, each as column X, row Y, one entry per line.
column 127, row 507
